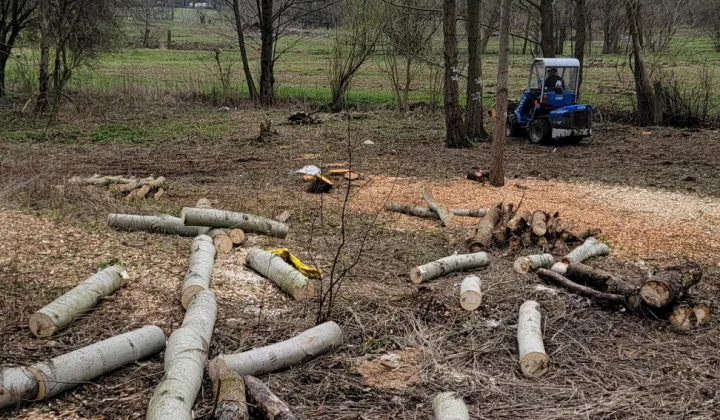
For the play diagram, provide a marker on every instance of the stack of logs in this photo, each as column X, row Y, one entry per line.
column 131, row 187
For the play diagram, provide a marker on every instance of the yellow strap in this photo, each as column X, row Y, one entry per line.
column 308, row 271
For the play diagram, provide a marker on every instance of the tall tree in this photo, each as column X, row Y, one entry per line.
column 497, row 171
column 455, row 136
column 15, row 15
column 580, row 37
column 267, row 52
column 243, row 51
column 474, row 92
column 547, row 28
column 643, row 88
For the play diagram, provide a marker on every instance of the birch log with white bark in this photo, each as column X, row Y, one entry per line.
column 200, row 268
column 533, row 262
column 285, row 276
column 154, row 224
column 470, row 293
column 265, row 402
column 17, row 384
column 443, row 266
column 83, row 297
column 305, row 346
column 174, row 396
column 534, row 362
column 442, row 212
column 428, row 213
column 229, row 219
column 482, row 236
column 450, row 406
column 85, row 364
column 589, row 249
column 201, row 315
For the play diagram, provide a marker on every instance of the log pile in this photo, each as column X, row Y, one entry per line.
column 131, row 187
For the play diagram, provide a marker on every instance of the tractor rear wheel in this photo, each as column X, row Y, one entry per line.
column 512, row 127
column 539, row 131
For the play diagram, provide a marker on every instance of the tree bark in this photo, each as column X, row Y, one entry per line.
column 533, row 262
column 228, row 219
column 267, row 59
column 589, row 249
column 599, row 279
column 547, row 28
column 561, row 280
column 668, row 286
column 154, row 224
column 519, row 221
column 450, row 406
column 482, row 237
column 252, row 90
column 534, row 362
column 200, row 316
column 285, row 276
column 497, row 171
column 267, row 404
column 470, row 293
column 83, row 297
column 200, row 268
column 455, row 135
column 474, row 93
column 539, row 223
column 643, row 89
column 4, row 55
column 446, row 265
column 17, row 384
column 275, row 357
column 580, row 37
column 429, row 213
column 43, row 75
column 229, row 392
column 443, row 213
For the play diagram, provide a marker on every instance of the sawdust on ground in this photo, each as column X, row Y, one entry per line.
column 394, row 370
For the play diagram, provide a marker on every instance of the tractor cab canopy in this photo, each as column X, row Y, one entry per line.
column 551, row 77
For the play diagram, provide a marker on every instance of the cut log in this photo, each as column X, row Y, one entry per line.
column 560, row 268
column 702, row 314
column 174, row 396
column 534, row 362
column 526, row 239
column 237, row 236
column 446, row 265
column 305, row 346
column 17, row 384
column 470, row 293
column 229, row 393
column 351, row 176
column 553, row 226
column 481, row 239
column 668, row 286
column 589, row 249
column 83, row 297
column 100, row 180
column 85, row 364
column 442, row 212
column 200, row 316
column 204, row 203
column 338, row 171
column 686, row 316
column 154, row 224
column 479, row 176
column 156, row 183
column 265, row 403
column 221, row 240
column 519, row 222
column 599, row 279
column 533, row 262
column 228, row 219
column 320, row 185
column 307, row 178
column 426, row 212
column 160, row 192
column 138, row 193
column 200, row 268
column 283, row 217
column 285, row 276
column 539, row 223
column 126, row 187
column 571, row 234
column 560, row 280
column 469, row 212
column 450, row 406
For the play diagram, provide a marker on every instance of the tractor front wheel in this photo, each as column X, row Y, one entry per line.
column 512, row 127
column 539, row 131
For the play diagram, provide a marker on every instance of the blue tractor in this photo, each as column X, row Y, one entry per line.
column 548, row 109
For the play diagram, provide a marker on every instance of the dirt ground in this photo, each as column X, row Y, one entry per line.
column 655, row 194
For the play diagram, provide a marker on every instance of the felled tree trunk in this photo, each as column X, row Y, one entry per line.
column 561, row 280
column 200, row 268
column 201, row 315
column 599, row 279
column 589, row 249
column 83, row 365
column 83, row 297
column 228, row 219
column 533, row 262
column 539, row 223
column 483, row 235
column 668, row 286
column 229, row 392
column 305, row 346
column 221, row 240
column 17, row 384
column 446, row 265
column 426, row 212
column 267, row 404
column 285, row 276
column 442, row 212
column 450, row 406
column 534, row 362
column 154, row 224
column 175, row 395
column 470, row 293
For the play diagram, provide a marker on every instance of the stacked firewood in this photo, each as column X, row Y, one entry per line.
column 131, row 187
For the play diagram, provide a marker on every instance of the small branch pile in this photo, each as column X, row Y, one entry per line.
column 301, row 118
column 133, row 188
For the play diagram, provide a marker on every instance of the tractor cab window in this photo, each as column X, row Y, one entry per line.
column 569, row 76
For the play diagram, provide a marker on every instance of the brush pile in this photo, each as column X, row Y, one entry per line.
column 130, row 187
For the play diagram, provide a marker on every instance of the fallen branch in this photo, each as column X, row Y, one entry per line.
column 481, row 239
column 470, row 293
column 589, row 249
column 228, row 219
column 446, row 265
column 599, row 279
column 534, row 362
column 154, row 224
column 285, row 276
column 559, row 279
column 450, row 406
column 428, row 213
column 200, row 268
column 442, row 212
column 83, row 297
column 668, row 286
column 533, row 262
column 267, row 404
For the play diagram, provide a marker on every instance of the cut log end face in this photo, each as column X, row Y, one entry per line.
column 203, row 203
column 305, row 292
column 470, row 300
column 683, row 317
column 416, row 275
column 522, row 265
column 655, row 293
column 351, row 176
column 41, row 325
column 189, row 293
column 223, row 243
column 535, row 365
column 237, row 236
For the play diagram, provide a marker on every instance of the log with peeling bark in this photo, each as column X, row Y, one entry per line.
column 221, row 240
column 450, row 406
column 200, row 268
column 538, row 223
column 481, row 239
column 154, row 224
column 279, row 356
column 686, row 316
column 229, row 394
column 470, row 293
column 519, row 221
column 201, row 315
column 47, row 379
column 446, row 265
column 534, row 361
column 265, row 402
column 442, row 212
column 174, row 396
column 228, row 219
column 599, row 279
column 668, row 286
column 83, row 297
column 560, row 280
column 428, row 213
column 285, row 276
column 533, row 262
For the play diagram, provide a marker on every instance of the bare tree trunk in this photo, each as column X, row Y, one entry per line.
column 580, row 36
column 267, row 61
column 546, row 28
column 643, row 89
column 243, row 52
column 455, row 136
column 497, row 172
column 474, row 110
column 4, row 55
column 43, row 76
